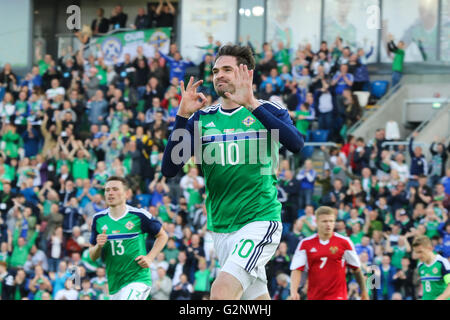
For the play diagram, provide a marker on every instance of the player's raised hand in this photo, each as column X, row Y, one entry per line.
column 191, row 100
column 243, row 94
column 102, row 238
column 143, row 261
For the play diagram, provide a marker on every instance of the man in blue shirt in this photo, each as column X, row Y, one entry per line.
column 365, row 246
column 307, row 178
column 342, row 80
column 275, row 80
column 177, row 66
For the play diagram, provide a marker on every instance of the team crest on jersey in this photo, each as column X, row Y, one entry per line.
column 435, row 270
column 334, row 250
column 248, row 121
column 129, row 225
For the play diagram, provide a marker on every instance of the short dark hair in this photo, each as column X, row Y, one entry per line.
column 124, row 181
column 243, row 55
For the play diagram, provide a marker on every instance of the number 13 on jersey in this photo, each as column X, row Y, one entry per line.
column 117, row 247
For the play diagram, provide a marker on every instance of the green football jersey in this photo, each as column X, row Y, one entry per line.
column 126, row 241
column 435, row 277
column 238, row 158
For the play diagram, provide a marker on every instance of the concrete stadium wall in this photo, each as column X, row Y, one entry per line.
column 425, row 86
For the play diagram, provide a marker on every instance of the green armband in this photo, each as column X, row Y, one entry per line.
column 447, row 278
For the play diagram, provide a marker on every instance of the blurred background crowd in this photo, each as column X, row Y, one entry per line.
column 72, row 121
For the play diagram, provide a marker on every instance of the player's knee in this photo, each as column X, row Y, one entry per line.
column 225, row 290
column 218, row 292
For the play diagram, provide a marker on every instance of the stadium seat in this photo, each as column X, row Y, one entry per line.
column 2, row 93
column 363, row 97
column 379, row 88
column 301, row 213
column 319, row 135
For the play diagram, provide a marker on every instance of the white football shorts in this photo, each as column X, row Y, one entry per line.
column 245, row 252
column 132, row 291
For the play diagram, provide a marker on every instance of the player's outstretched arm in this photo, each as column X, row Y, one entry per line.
column 296, row 277
column 191, row 102
column 274, row 118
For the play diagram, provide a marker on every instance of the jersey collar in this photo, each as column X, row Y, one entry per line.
column 432, row 262
column 325, row 242
column 229, row 113
column 117, row 219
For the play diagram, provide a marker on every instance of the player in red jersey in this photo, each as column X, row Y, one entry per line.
column 325, row 256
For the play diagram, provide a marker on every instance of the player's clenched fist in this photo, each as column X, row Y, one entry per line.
column 102, row 238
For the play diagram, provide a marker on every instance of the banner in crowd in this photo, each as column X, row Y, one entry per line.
column 116, row 45
column 416, row 23
column 203, row 18
column 445, row 31
column 297, row 20
column 348, row 19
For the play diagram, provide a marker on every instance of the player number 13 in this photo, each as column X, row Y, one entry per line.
column 117, row 247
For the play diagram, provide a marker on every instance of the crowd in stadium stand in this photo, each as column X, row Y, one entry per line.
column 72, row 121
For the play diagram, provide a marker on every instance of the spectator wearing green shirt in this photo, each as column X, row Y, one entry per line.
column 102, row 73
column 21, row 247
column 309, row 222
column 399, row 57
column 399, row 251
column 203, row 278
column 44, row 63
column 171, row 252
column 12, row 142
column 357, row 234
column 20, row 285
column 373, row 223
column 301, row 116
column 283, row 55
column 166, row 210
column 80, row 163
column 431, row 222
